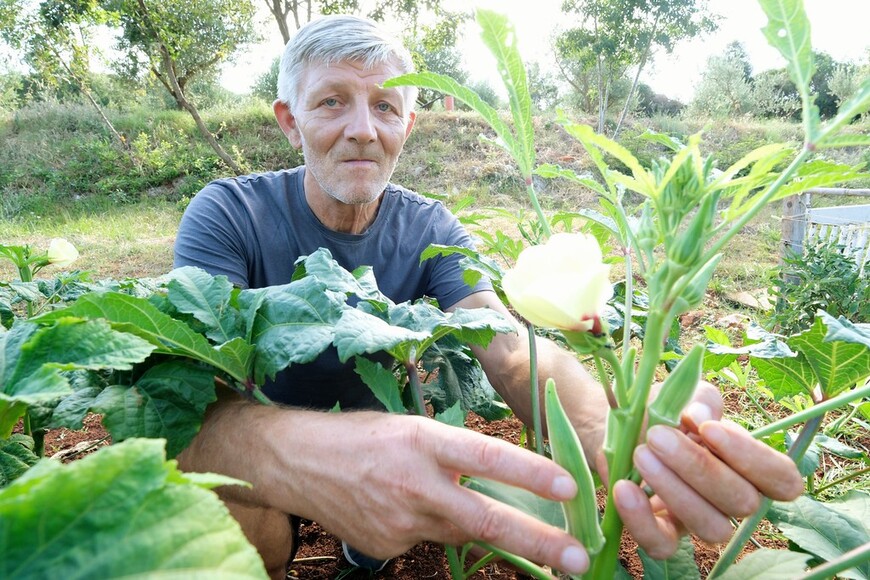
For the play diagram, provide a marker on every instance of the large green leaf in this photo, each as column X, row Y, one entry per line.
column 542, row 509
column 168, row 401
column 843, row 330
column 361, row 282
column 767, row 564
column 786, row 377
column 141, row 318
column 16, row 457
column 123, row 512
column 382, row 383
column 460, row 379
column 838, row 365
column 499, row 36
column 293, row 324
column 822, row 530
column 207, row 298
column 33, row 358
column 359, row 333
column 788, row 31
column 680, row 566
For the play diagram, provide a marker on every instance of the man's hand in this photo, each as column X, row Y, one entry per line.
column 702, row 474
column 390, row 482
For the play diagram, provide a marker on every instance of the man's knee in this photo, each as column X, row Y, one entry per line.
column 270, row 531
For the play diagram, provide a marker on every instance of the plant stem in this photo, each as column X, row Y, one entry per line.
column 529, row 568
column 533, row 197
column 629, row 301
column 759, row 202
column 416, row 387
column 843, row 479
column 619, row 377
column 747, row 527
column 619, row 452
column 453, row 561
column 604, row 379
column 536, row 391
column 848, row 560
column 814, row 411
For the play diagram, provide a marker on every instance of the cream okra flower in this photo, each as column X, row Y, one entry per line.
column 61, row 253
column 562, row 284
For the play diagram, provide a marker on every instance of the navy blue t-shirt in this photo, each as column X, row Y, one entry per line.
column 252, row 229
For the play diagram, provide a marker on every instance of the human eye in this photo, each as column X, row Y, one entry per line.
column 330, row 102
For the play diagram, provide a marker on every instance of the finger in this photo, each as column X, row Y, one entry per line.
column 684, row 503
column 484, row 519
column 658, row 536
column 704, row 472
column 706, row 405
column 773, row 473
column 470, row 453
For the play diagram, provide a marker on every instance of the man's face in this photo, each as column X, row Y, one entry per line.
column 351, row 131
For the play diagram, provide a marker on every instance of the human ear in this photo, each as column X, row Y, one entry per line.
column 287, row 122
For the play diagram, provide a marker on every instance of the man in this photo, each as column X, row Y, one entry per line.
column 382, row 482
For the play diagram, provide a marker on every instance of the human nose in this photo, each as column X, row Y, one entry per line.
column 360, row 127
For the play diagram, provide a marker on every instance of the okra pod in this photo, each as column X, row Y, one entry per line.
column 581, row 512
column 677, row 390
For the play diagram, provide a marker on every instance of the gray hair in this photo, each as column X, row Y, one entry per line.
column 339, row 38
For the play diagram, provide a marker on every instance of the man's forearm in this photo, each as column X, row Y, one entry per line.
column 583, row 398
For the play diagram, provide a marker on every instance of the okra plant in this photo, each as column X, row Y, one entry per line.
column 672, row 242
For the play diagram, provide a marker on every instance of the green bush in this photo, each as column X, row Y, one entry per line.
column 823, row 278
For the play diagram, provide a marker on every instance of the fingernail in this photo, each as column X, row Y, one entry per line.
column 563, row 487
column 574, row 560
column 714, row 433
column 698, row 413
column 647, row 461
column 626, row 499
column 662, row 439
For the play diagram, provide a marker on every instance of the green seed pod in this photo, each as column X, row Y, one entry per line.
column 581, row 512
column 688, row 245
column 697, row 287
column 677, row 390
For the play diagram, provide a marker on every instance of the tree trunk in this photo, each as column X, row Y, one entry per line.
column 84, row 89
column 630, row 93
column 279, row 11
column 191, row 108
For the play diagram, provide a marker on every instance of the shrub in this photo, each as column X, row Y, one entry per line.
column 823, row 278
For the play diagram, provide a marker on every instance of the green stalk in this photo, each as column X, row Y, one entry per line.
column 759, row 202
column 536, row 391
column 526, row 566
column 480, row 564
column 456, row 570
column 747, row 527
column 26, row 275
column 843, row 479
column 848, row 560
column 814, row 411
column 619, row 451
column 416, row 387
column 533, row 197
column 629, row 295
column 619, row 377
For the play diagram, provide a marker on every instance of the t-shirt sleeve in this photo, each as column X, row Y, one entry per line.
column 447, row 283
column 211, row 235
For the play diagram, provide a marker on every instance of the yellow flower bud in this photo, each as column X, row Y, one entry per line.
column 61, row 253
column 562, row 284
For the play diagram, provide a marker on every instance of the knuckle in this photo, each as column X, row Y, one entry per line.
column 489, row 525
column 488, row 455
column 747, row 504
column 662, row 550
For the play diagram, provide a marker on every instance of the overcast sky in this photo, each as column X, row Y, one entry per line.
column 839, row 27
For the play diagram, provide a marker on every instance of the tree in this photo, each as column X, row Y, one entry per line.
column 723, row 90
column 55, row 37
column 625, row 33
column 543, row 89
column 179, row 41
